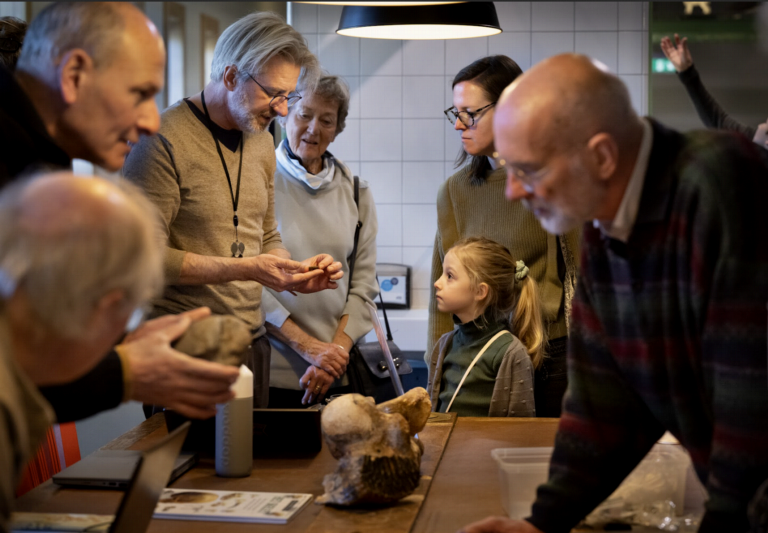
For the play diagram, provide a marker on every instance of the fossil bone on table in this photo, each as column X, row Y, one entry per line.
column 379, row 458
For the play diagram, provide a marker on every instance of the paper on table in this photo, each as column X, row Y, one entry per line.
column 60, row 522
column 230, row 506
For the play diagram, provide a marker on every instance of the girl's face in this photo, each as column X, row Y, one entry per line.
column 454, row 291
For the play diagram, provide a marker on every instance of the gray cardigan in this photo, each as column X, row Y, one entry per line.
column 513, row 391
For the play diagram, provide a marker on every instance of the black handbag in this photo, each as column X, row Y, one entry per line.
column 367, row 370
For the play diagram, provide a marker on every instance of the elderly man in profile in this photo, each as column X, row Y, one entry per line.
column 210, row 171
column 669, row 320
column 84, row 87
column 77, row 256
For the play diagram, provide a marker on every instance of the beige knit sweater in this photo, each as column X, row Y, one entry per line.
column 467, row 210
column 181, row 172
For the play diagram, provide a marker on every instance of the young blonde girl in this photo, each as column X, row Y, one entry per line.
column 491, row 296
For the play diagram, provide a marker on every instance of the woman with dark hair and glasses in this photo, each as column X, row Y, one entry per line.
column 12, row 32
column 472, row 203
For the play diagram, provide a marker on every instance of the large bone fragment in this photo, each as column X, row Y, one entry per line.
column 379, row 458
column 223, row 339
column 414, row 406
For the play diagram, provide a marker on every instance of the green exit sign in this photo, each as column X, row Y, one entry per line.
column 662, row 66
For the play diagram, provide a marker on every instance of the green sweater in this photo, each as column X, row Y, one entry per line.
column 466, row 210
column 476, row 392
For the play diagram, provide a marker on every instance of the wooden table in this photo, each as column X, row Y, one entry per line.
column 459, row 482
column 466, row 485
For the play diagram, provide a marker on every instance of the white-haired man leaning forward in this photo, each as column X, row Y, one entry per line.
column 77, row 257
column 84, row 87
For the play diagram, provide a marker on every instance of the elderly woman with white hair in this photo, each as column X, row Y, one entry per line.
column 311, row 334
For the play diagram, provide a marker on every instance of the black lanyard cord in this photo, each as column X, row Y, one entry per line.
column 235, row 196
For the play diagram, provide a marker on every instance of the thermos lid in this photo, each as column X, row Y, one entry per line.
column 243, row 387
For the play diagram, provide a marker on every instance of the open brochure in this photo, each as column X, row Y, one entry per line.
column 230, row 506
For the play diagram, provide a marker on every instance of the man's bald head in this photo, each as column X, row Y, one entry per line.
column 61, row 203
column 66, row 241
column 568, row 137
column 571, row 98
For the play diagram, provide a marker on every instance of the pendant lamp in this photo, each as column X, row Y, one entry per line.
column 445, row 21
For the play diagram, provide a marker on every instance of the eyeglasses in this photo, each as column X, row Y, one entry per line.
column 527, row 179
column 137, row 318
column 278, row 99
column 466, row 117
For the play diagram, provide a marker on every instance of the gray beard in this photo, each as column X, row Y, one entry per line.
column 556, row 224
column 245, row 119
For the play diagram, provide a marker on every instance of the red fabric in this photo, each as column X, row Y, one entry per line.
column 48, row 459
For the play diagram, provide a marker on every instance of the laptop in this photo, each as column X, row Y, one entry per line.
column 152, row 473
column 113, row 469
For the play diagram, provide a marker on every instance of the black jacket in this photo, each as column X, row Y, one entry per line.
column 25, row 148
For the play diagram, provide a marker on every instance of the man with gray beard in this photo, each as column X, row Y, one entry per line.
column 210, row 172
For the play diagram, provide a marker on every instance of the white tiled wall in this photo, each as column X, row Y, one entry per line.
column 397, row 137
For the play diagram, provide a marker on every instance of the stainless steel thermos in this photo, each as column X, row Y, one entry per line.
column 234, row 429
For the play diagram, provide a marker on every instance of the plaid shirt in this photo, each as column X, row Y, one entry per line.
column 669, row 333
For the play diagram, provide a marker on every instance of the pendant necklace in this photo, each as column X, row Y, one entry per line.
column 237, row 247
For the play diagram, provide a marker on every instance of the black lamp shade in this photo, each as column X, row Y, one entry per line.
column 445, row 21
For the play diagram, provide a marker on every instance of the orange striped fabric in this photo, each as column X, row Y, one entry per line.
column 59, row 450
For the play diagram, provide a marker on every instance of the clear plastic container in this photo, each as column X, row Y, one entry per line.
column 521, row 471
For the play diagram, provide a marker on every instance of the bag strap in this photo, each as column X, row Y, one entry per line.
column 353, row 256
column 472, row 364
column 384, row 311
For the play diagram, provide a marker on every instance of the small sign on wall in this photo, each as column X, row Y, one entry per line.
column 395, row 285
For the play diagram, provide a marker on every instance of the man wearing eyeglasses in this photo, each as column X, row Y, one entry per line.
column 68, row 289
column 84, row 87
column 210, row 172
column 668, row 331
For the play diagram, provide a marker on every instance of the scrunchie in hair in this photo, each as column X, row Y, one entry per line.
column 521, row 271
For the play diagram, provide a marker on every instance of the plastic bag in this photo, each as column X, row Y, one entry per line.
column 654, row 494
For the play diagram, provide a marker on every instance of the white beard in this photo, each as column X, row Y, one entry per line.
column 246, row 119
column 586, row 198
column 554, row 223
column 559, row 225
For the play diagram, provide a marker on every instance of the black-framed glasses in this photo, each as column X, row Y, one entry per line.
column 9, row 44
column 466, row 117
column 277, row 99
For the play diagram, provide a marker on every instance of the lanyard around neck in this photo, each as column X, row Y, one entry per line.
column 234, row 195
column 237, row 247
